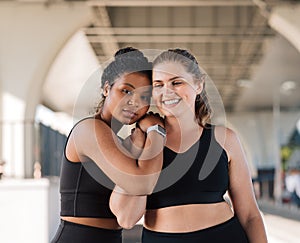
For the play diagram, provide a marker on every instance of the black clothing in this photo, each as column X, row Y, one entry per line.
column 81, row 194
column 85, row 190
column 200, row 173
column 229, row 231
column 69, row 232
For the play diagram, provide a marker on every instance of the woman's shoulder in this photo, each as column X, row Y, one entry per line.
column 85, row 132
column 224, row 132
column 87, row 124
column 87, row 121
column 227, row 138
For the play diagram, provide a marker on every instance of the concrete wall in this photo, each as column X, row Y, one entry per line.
column 29, row 210
column 32, row 35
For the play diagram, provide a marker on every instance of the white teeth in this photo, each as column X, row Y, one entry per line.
column 171, row 102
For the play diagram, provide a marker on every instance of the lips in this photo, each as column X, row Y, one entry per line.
column 129, row 113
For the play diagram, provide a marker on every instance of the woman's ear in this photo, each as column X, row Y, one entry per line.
column 199, row 87
column 201, row 84
column 106, row 89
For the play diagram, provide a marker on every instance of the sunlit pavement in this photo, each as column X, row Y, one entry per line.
column 282, row 221
column 281, row 230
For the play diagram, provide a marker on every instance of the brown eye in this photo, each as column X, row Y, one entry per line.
column 127, row 92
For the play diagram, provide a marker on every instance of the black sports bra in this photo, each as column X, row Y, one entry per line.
column 199, row 175
column 83, row 195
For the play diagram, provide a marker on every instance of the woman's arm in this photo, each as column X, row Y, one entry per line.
column 241, row 189
column 135, row 142
column 95, row 140
column 127, row 208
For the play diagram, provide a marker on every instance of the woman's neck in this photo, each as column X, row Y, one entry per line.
column 114, row 124
column 181, row 134
column 181, row 127
column 184, row 124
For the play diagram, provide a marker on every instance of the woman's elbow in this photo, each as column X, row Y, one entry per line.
column 125, row 217
column 126, row 222
column 126, row 225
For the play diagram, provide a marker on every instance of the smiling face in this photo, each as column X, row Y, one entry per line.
column 128, row 99
column 174, row 89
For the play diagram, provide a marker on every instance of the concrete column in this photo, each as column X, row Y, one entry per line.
column 32, row 35
column 285, row 20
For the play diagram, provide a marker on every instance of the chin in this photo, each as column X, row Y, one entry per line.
column 166, row 111
column 128, row 121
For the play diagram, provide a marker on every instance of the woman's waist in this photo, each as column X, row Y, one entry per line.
column 187, row 218
column 105, row 223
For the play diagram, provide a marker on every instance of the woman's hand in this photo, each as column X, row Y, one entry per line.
column 135, row 142
column 149, row 120
column 138, row 137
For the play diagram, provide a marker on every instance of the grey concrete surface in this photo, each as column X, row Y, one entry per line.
column 282, row 230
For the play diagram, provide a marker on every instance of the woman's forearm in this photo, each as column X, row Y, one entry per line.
column 255, row 230
column 127, row 208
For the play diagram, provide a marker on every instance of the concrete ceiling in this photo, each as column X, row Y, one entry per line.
column 273, row 80
column 246, row 60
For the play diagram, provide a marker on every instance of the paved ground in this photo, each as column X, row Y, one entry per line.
column 282, row 221
column 282, row 230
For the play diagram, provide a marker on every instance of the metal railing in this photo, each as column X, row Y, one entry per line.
column 52, row 144
column 36, row 145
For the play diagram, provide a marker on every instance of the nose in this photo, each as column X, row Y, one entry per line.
column 134, row 100
column 167, row 90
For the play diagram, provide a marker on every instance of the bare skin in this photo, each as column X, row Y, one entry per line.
column 186, row 218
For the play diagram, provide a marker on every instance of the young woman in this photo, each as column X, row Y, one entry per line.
column 94, row 160
column 201, row 163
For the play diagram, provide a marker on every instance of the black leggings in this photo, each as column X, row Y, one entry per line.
column 229, row 231
column 69, row 232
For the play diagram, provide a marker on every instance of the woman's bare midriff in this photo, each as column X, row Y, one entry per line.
column 187, row 218
column 94, row 222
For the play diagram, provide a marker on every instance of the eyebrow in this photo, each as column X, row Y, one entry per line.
column 171, row 79
column 176, row 77
column 130, row 85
